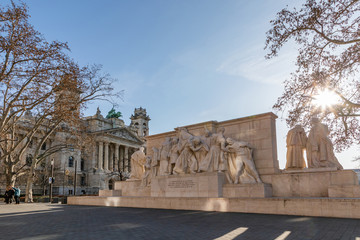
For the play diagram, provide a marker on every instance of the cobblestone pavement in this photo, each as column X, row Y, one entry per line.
column 45, row 221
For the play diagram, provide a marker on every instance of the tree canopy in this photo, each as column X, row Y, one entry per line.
column 328, row 35
column 41, row 88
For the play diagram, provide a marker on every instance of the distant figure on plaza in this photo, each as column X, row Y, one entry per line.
column 138, row 160
column 295, row 144
column 17, row 195
column 319, row 149
column 9, row 193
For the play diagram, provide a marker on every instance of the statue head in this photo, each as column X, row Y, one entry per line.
column 174, row 140
column 230, row 140
column 221, row 130
column 196, row 140
column 142, row 149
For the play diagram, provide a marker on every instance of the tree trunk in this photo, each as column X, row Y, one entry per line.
column 10, row 175
column 29, row 184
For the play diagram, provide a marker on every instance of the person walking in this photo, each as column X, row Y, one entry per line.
column 9, row 194
column 17, row 194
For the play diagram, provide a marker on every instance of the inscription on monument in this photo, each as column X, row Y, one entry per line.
column 181, row 184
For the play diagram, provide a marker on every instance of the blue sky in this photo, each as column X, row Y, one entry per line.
column 185, row 61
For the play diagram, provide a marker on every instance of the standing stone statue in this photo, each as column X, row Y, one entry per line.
column 138, row 160
column 241, row 164
column 319, row 149
column 215, row 158
column 174, row 153
column 155, row 162
column 147, row 175
column 187, row 162
column 165, row 157
column 295, row 144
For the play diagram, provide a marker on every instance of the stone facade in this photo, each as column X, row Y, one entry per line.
column 104, row 160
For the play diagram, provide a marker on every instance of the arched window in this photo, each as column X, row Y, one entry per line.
column 71, row 161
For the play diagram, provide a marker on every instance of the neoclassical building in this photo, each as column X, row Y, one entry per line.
column 105, row 159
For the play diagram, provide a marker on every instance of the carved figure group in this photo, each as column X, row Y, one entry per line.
column 319, row 149
column 190, row 154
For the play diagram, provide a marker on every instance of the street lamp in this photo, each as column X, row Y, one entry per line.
column 51, row 179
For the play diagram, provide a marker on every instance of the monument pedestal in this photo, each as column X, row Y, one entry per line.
column 257, row 190
column 132, row 188
column 311, row 183
column 188, row 185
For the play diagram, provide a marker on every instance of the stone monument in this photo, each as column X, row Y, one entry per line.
column 232, row 166
column 295, row 144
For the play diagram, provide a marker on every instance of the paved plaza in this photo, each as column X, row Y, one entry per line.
column 45, row 221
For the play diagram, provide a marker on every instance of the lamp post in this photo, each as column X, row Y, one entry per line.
column 51, row 179
column 75, row 177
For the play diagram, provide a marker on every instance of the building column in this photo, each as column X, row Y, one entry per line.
column 126, row 158
column 122, row 162
column 100, row 157
column 106, row 156
column 116, row 157
column 111, row 164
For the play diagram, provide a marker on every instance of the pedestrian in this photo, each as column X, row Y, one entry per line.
column 9, row 194
column 17, row 194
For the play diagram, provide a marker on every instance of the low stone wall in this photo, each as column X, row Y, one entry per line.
column 316, row 207
column 311, row 183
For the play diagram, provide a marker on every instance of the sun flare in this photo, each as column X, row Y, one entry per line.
column 326, row 99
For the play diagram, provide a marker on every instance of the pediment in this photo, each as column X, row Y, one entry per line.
column 124, row 133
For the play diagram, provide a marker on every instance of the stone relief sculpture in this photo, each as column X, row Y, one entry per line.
column 210, row 152
column 174, row 153
column 319, row 149
column 241, row 165
column 155, row 162
column 138, row 160
column 215, row 158
column 165, row 157
column 295, row 144
column 187, row 162
column 146, row 179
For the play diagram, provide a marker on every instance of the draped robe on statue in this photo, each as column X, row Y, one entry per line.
column 138, row 160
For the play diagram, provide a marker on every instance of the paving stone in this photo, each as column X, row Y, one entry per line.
column 52, row 221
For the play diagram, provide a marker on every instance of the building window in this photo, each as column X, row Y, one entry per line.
column 71, row 148
column 82, row 165
column 70, row 180
column 70, row 192
column 71, row 161
column 82, row 181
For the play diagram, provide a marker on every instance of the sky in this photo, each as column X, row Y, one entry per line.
column 185, row 61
